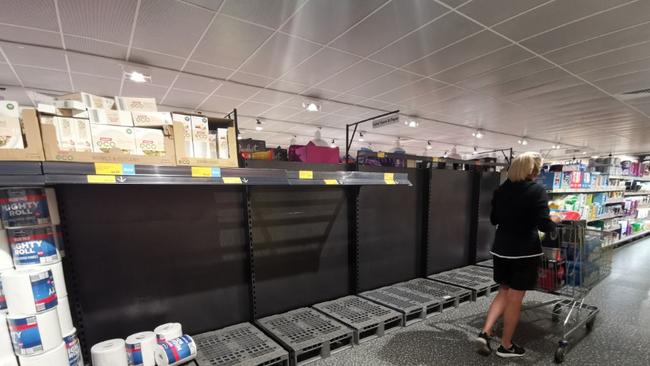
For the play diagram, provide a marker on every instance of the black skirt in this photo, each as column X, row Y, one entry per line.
column 519, row 274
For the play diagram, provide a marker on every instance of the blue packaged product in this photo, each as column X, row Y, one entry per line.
column 73, row 347
column 34, row 245
column 23, row 207
column 3, row 300
column 175, row 351
column 35, row 334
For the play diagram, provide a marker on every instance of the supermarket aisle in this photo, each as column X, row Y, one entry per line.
column 621, row 335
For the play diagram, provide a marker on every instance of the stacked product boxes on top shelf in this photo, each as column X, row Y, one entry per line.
column 571, row 177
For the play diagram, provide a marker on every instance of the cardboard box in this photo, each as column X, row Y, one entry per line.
column 11, row 135
column 200, row 142
column 89, row 100
column 107, row 138
column 183, row 122
column 110, row 117
column 33, row 147
column 65, row 135
column 212, row 141
column 222, row 140
column 70, row 104
column 83, row 141
column 51, row 109
column 183, row 138
column 149, row 141
column 136, row 104
column 151, row 119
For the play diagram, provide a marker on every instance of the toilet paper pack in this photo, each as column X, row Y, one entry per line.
column 55, row 357
column 175, row 351
column 109, row 353
column 168, row 331
column 23, row 207
column 140, row 349
column 73, row 348
column 35, row 334
column 29, row 291
column 34, row 245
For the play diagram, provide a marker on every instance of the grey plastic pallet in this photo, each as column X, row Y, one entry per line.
column 479, row 285
column 368, row 319
column 449, row 295
column 240, row 345
column 488, row 263
column 308, row 334
column 477, row 270
column 414, row 307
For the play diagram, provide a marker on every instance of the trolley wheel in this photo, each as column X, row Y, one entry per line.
column 555, row 316
column 590, row 324
column 560, row 353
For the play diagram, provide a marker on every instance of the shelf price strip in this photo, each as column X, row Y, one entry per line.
column 389, row 178
column 206, row 172
column 232, row 180
column 330, row 181
column 306, row 174
column 101, row 179
column 114, row 169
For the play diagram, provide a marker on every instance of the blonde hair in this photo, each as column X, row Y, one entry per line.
column 525, row 166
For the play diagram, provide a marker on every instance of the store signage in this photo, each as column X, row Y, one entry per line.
column 385, row 121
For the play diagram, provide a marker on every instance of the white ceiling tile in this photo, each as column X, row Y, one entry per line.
column 35, row 56
column 484, row 64
column 490, row 12
column 388, row 24
column 94, row 47
column 35, row 13
column 253, row 108
column 385, row 83
column 235, row 90
column 321, row 65
column 213, row 71
column 137, row 90
column 441, row 33
column 183, row 99
column 213, row 5
column 305, row 116
column 7, row 76
column 551, row 15
column 34, row 78
column 251, row 79
column 618, row 69
column 155, row 59
column 271, row 13
column 104, row 20
column 469, row 48
column 285, row 52
column 349, row 98
column 412, row 90
column 271, row 97
column 354, row 76
column 95, row 65
column 220, row 104
column 169, row 26
column 96, row 85
column 196, row 83
column 323, row 20
column 17, row 94
column 229, row 42
column 30, row 36
column 280, row 112
column 161, row 77
column 319, row 93
column 287, row 86
column 508, row 73
column 626, row 55
column 626, row 83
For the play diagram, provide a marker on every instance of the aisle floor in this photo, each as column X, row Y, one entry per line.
column 621, row 335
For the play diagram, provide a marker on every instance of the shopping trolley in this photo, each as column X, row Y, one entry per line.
column 575, row 260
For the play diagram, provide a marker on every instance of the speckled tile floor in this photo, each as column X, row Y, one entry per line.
column 621, row 335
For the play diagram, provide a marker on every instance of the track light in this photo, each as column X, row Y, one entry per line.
column 333, row 144
column 293, row 140
column 478, row 134
column 429, row 147
column 475, row 151
column 258, row 126
column 445, row 154
column 361, row 137
column 311, row 106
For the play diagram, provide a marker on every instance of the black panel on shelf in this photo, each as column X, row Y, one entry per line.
column 485, row 230
column 300, row 244
column 449, row 223
column 20, row 167
column 389, row 231
column 146, row 255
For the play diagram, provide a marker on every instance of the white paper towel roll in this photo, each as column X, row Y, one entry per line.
column 5, row 252
column 53, row 206
column 29, row 291
column 175, row 351
column 57, row 274
column 109, row 353
column 73, row 348
column 7, row 357
column 34, row 244
column 65, row 317
column 168, row 331
column 56, row 357
column 35, row 334
column 140, row 349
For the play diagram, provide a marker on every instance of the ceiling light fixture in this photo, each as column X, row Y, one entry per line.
column 522, row 141
column 293, row 140
column 478, row 134
column 445, row 154
column 239, row 136
column 475, row 151
column 138, row 77
column 333, row 144
column 361, row 137
column 556, row 147
column 429, row 147
column 311, row 106
column 594, row 156
column 411, row 123
column 258, row 126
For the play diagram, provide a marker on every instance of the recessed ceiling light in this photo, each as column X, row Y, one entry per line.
column 522, row 141
column 411, row 123
column 594, row 156
column 429, row 147
column 258, row 126
column 478, row 134
column 137, row 76
column 311, row 106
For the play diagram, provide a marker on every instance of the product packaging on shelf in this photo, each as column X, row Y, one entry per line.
column 175, row 351
column 57, row 275
column 89, row 100
column 34, row 244
column 136, row 104
column 58, row 356
column 35, row 334
column 51, row 110
column 200, row 140
column 110, row 117
column 193, row 136
column 222, row 140
column 168, row 331
column 23, row 207
column 109, row 353
column 7, row 357
column 73, row 348
column 140, row 348
column 6, row 262
column 65, row 317
column 113, row 139
column 82, row 137
column 183, row 128
column 149, row 141
column 29, row 291
column 151, row 119
column 11, row 136
column 30, row 146
column 65, row 135
column 213, row 143
column 70, row 104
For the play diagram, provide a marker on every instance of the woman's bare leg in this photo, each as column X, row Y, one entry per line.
column 497, row 308
column 511, row 315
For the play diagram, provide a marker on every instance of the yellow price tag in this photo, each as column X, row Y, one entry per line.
column 231, row 180
column 105, row 179
column 201, row 171
column 381, row 154
column 108, row 168
column 390, row 181
column 389, row 176
column 331, row 181
column 306, row 174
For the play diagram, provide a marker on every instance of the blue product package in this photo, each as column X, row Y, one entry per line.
column 44, row 291
column 134, row 354
column 75, row 358
column 25, row 336
column 180, row 349
column 23, row 207
column 34, row 245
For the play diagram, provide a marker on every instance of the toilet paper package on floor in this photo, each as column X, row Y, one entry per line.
column 34, row 245
column 6, row 348
column 140, row 349
column 6, row 262
column 29, row 291
column 23, row 207
column 35, row 334
column 56, row 357
column 175, row 351
column 57, row 275
column 109, row 353
column 168, row 331
column 65, row 317
column 73, row 348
